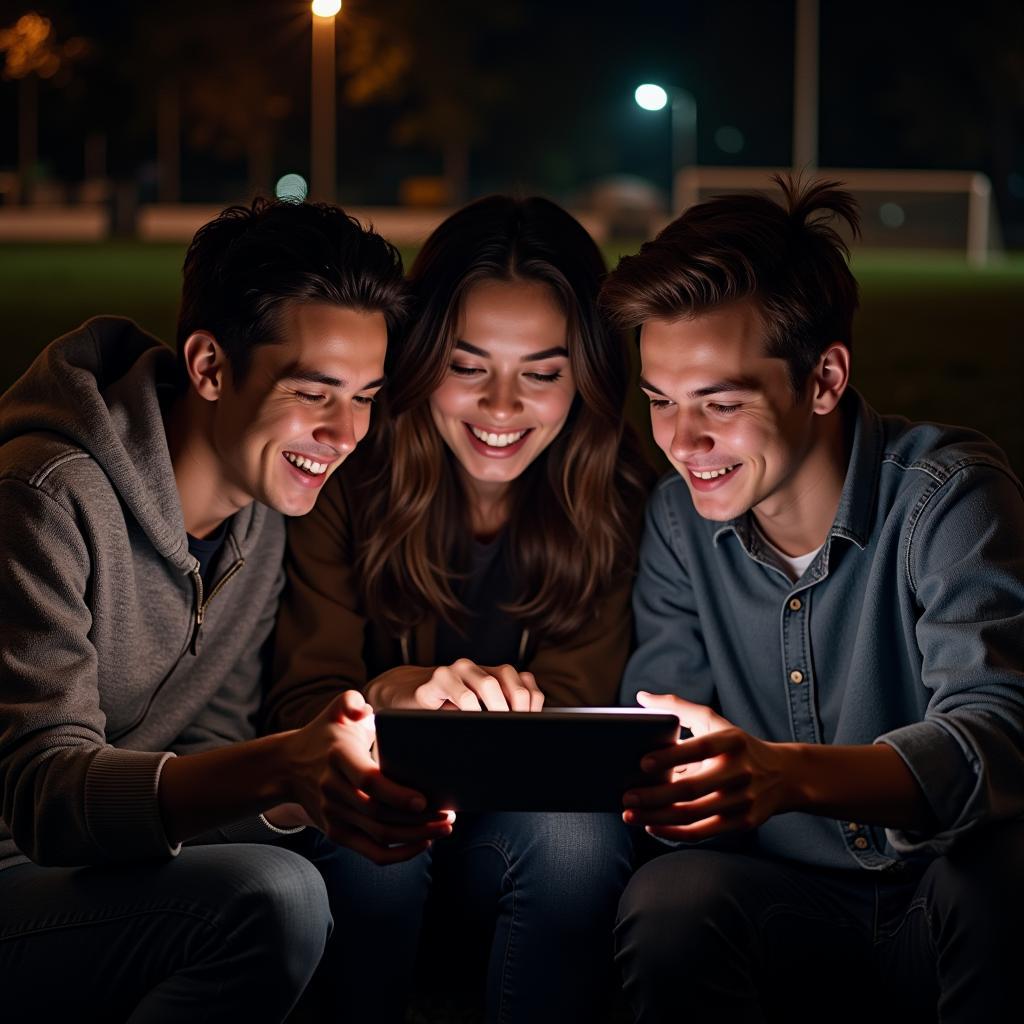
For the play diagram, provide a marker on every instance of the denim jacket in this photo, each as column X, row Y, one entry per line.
column 906, row 629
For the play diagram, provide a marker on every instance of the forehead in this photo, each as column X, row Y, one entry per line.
column 728, row 341
column 510, row 314
column 326, row 338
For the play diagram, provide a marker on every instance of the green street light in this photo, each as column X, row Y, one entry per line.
column 682, row 124
column 650, row 96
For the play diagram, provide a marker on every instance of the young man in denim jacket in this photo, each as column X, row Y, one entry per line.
column 143, row 869
column 832, row 601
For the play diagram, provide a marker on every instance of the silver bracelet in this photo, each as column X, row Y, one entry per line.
column 281, row 831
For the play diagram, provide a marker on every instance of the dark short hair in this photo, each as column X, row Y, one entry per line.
column 244, row 266
column 787, row 257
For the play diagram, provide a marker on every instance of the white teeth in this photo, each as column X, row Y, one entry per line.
column 497, row 440
column 711, row 474
column 315, row 468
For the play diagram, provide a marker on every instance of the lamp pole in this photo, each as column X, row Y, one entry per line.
column 805, row 87
column 323, row 108
column 682, row 125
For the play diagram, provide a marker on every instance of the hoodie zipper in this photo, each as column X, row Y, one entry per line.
column 202, row 604
column 190, row 642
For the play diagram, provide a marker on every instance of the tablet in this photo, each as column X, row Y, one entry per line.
column 578, row 759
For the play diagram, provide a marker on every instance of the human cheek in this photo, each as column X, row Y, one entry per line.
column 663, row 430
column 742, row 438
column 551, row 408
column 361, row 421
column 448, row 401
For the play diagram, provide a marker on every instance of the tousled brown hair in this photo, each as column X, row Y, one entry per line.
column 787, row 257
column 574, row 512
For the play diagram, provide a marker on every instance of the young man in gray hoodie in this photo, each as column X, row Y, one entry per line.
column 144, row 829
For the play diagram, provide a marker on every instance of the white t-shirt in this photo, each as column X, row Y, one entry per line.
column 795, row 565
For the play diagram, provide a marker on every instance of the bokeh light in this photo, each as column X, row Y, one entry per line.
column 892, row 215
column 729, row 139
column 292, row 188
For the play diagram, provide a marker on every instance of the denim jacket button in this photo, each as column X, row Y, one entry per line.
column 795, row 604
column 796, row 676
column 861, row 843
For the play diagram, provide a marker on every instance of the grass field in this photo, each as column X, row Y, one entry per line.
column 934, row 339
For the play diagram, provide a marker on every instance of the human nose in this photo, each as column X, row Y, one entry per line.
column 338, row 430
column 690, row 436
column 500, row 398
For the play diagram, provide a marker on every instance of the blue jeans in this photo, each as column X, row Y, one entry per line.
column 732, row 936
column 536, row 892
column 219, row 933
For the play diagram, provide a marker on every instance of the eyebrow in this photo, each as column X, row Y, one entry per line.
column 316, row 377
column 548, row 353
column 720, row 386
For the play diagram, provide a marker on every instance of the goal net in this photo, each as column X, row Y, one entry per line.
column 940, row 210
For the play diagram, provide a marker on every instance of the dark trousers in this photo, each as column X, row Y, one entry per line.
column 708, row 934
column 526, row 899
column 217, row 934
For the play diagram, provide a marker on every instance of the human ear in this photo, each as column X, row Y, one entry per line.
column 830, row 377
column 206, row 364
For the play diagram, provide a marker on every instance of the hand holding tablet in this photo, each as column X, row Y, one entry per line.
column 570, row 759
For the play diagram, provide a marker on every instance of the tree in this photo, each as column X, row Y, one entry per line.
column 437, row 61
column 32, row 52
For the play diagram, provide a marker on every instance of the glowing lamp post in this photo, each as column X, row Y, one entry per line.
column 323, row 112
column 682, row 123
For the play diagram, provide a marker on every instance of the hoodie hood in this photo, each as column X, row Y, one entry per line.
column 98, row 388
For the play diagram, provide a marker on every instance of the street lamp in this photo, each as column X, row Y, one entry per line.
column 323, row 112
column 682, row 124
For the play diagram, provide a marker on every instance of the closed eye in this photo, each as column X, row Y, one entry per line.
column 465, row 371
column 546, row 378
column 309, row 397
column 364, row 400
column 725, row 409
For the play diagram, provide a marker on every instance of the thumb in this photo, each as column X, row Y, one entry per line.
column 688, row 713
column 349, row 704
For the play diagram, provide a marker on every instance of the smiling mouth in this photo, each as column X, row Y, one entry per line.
column 309, row 466
column 712, row 474
column 497, row 440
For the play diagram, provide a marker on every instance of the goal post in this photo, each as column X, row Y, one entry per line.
column 904, row 209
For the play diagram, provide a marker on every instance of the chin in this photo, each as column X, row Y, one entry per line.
column 290, row 505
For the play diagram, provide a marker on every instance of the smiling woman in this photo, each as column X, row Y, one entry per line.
column 478, row 553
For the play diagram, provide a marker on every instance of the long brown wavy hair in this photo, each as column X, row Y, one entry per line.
column 574, row 512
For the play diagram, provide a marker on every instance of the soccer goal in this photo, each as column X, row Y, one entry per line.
column 949, row 210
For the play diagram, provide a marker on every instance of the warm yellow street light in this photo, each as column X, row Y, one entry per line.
column 323, row 115
column 326, row 8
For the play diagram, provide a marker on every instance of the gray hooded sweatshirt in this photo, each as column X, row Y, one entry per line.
column 112, row 657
